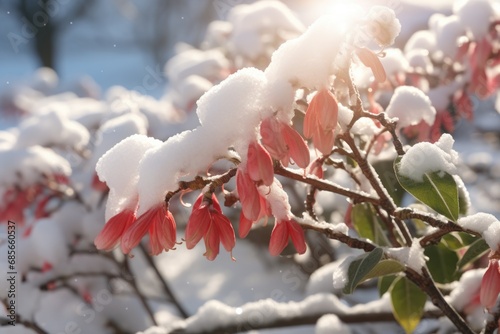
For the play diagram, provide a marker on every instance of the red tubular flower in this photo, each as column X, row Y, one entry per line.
column 259, row 164
column 321, row 120
column 283, row 142
column 160, row 225
column 282, row 232
column 208, row 221
column 249, row 195
column 490, row 285
column 110, row 235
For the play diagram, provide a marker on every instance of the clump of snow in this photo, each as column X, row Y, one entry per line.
column 295, row 63
column 467, row 287
column 277, row 199
column 420, row 61
column 253, row 22
column 119, row 168
column 413, row 257
column 425, row 158
column 330, row 323
column 344, row 117
column 447, row 29
column 475, row 15
column 383, row 25
column 236, row 100
column 26, row 166
column 410, row 105
column 340, row 277
column 485, row 224
column 394, row 61
column 52, row 128
column 421, row 40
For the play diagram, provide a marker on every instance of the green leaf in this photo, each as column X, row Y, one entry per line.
column 452, row 241
column 384, row 283
column 388, row 178
column 442, row 263
column 384, row 268
column 368, row 224
column 477, row 249
column 360, row 267
column 438, row 190
column 408, row 303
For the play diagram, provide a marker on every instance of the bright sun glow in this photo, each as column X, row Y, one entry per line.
column 346, row 13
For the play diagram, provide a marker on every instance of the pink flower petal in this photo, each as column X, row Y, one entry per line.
column 198, row 224
column 249, row 195
column 490, row 285
column 225, row 229
column 113, row 230
column 260, row 165
column 135, row 232
column 212, row 242
column 245, row 226
column 297, row 146
column 162, row 232
column 297, row 234
column 371, row 60
column 279, row 238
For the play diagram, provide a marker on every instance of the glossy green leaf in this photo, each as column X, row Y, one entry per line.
column 368, row 224
column 360, row 267
column 384, row 268
column 452, row 241
column 408, row 303
column 438, row 190
column 388, row 178
column 475, row 250
column 442, row 263
column 384, row 283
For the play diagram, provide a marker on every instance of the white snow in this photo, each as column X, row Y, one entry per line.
column 425, row 158
column 330, row 323
column 119, row 168
column 410, row 105
column 486, row 224
column 295, row 63
column 413, row 257
column 277, row 199
column 475, row 15
column 394, row 61
column 384, row 27
column 26, row 166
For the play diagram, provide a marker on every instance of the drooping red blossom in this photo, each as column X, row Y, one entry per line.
column 15, row 201
column 208, row 222
column 282, row 232
column 490, row 285
column 283, row 142
column 246, row 224
column 113, row 230
column 259, row 164
column 160, row 225
column 249, row 195
column 321, row 120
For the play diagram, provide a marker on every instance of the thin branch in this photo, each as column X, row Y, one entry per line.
column 357, row 197
column 247, row 324
column 142, row 298
column 164, row 284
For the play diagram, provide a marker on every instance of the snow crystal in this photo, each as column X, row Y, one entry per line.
column 119, row 168
column 413, row 257
column 475, row 15
column 410, row 105
column 425, row 158
column 384, row 27
column 294, row 62
column 330, row 323
column 485, row 224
